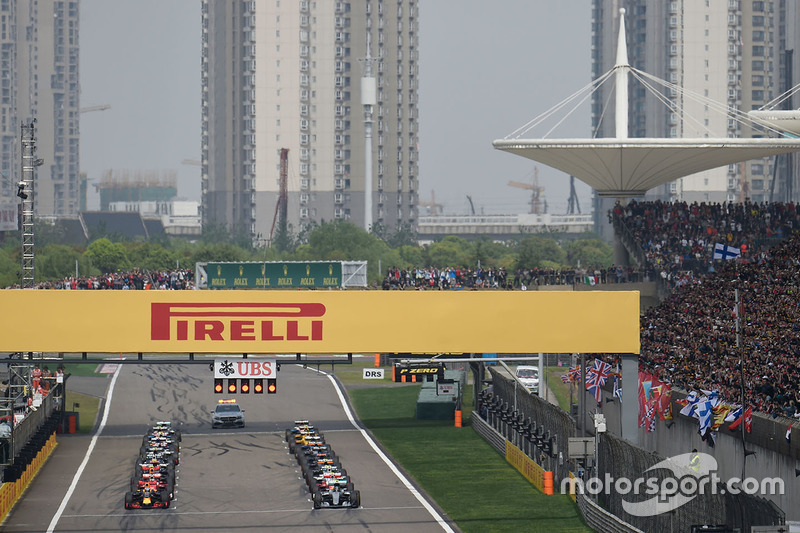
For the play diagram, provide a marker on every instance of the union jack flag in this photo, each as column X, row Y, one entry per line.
column 596, row 377
column 574, row 373
column 565, row 378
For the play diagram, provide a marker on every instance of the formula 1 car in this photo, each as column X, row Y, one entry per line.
column 336, row 497
column 158, row 482
column 147, row 497
column 327, row 480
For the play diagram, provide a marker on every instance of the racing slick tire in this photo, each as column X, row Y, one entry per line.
column 166, row 498
column 317, row 498
column 128, row 500
column 355, row 499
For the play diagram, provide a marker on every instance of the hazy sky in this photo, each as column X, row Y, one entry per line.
column 486, row 68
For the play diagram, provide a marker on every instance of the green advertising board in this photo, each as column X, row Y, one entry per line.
column 285, row 275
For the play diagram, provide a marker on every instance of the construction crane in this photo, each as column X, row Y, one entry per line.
column 573, row 202
column 471, row 205
column 101, row 107
column 281, row 210
column 538, row 203
column 433, row 207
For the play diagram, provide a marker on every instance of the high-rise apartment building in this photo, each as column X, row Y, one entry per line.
column 286, row 74
column 39, row 73
column 727, row 51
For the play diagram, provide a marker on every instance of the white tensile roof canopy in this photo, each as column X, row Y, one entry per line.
column 625, row 167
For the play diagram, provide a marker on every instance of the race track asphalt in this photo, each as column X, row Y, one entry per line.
column 228, row 479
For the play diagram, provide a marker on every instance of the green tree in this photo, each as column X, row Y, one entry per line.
column 219, row 252
column 106, row 255
column 534, row 249
column 344, row 241
column 10, row 269
column 57, row 261
column 450, row 251
column 589, row 253
column 411, row 255
column 151, row 256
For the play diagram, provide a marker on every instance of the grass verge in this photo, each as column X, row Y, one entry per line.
column 87, row 408
column 559, row 389
column 474, row 484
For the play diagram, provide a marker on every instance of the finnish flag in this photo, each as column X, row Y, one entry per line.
column 722, row 251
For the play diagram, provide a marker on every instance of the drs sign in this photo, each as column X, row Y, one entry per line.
column 244, row 368
column 373, row 373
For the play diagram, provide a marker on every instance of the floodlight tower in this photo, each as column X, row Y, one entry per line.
column 25, row 193
column 368, row 100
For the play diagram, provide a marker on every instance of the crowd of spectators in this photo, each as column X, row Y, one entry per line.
column 498, row 278
column 678, row 239
column 690, row 339
column 136, row 279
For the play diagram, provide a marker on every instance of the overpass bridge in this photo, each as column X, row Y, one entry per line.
column 502, row 226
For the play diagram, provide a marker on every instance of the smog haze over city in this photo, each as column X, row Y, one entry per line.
column 485, row 70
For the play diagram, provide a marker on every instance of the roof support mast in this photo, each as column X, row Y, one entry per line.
column 368, row 101
column 622, row 67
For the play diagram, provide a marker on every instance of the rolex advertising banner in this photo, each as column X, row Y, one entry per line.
column 319, row 321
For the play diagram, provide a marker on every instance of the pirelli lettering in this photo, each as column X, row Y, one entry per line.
column 237, row 321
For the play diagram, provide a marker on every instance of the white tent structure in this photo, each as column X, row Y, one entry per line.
column 621, row 167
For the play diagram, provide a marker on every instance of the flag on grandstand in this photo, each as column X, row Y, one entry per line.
column 723, row 251
column 565, row 378
column 720, row 411
column 709, row 436
column 735, row 416
column 739, row 415
column 596, row 377
column 574, row 373
column 651, row 418
column 789, row 434
column 617, row 388
column 689, row 403
column 591, row 280
column 704, row 414
column 738, row 311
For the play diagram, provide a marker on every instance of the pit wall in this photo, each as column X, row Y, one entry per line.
column 12, row 491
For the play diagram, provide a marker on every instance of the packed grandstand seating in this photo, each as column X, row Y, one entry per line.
column 689, row 340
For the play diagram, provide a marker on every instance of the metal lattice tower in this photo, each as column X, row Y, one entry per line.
column 25, row 192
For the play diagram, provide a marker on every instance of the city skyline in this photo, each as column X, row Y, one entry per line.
column 154, row 93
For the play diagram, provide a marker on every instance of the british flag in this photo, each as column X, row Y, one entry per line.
column 596, row 377
column 574, row 373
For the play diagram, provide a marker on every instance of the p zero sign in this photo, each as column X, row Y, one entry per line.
column 318, row 322
column 255, row 367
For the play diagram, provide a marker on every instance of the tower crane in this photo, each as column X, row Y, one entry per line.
column 433, row 207
column 101, row 107
column 538, row 203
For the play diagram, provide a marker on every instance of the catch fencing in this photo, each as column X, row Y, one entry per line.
column 542, row 430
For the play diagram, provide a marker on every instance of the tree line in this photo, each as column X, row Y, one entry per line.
column 328, row 241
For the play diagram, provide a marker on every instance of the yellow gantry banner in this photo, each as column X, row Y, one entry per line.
column 319, row 321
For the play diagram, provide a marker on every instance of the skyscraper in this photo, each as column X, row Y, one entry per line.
column 39, row 72
column 724, row 51
column 285, row 74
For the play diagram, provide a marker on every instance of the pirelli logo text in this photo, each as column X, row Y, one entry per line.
column 236, row 321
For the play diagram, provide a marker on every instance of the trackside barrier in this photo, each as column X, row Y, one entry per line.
column 538, row 476
column 11, row 492
column 599, row 519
